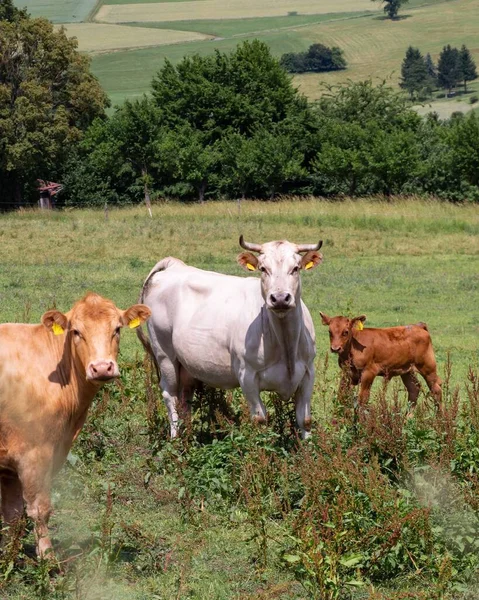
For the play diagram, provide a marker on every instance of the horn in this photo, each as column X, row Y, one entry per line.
column 248, row 245
column 308, row 247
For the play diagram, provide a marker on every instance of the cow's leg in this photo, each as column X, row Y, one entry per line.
column 169, row 384
column 12, row 505
column 36, row 483
column 367, row 378
column 302, row 399
column 433, row 382
column 250, row 389
column 413, row 388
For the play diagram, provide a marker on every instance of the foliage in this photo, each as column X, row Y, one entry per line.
column 416, row 73
column 9, row 12
column 448, row 68
column 392, row 7
column 467, row 66
column 47, row 98
column 317, row 59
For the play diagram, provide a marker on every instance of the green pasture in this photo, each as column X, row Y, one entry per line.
column 397, row 263
column 374, row 47
column 65, row 11
column 123, row 526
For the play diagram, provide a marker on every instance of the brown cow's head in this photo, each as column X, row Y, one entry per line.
column 93, row 328
column 280, row 264
column 341, row 330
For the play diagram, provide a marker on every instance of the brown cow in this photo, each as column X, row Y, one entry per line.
column 49, row 374
column 365, row 353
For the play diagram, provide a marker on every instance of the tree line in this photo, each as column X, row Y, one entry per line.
column 220, row 126
column 420, row 76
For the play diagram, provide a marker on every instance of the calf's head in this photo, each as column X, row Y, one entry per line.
column 92, row 328
column 341, row 330
column 280, row 264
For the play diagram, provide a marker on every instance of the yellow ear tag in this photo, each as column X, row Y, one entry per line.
column 359, row 325
column 309, row 265
column 250, row 267
column 57, row 329
column 134, row 323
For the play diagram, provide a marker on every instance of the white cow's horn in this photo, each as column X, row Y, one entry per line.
column 248, row 245
column 309, row 247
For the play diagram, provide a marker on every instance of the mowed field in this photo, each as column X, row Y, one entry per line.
column 122, row 526
column 60, row 11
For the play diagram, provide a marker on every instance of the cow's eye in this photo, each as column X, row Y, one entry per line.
column 117, row 331
column 77, row 334
column 295, row 269
column 345, row 332
column 262, row 269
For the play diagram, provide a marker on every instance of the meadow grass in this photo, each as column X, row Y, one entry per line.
column 118, row 538
column 66, row 11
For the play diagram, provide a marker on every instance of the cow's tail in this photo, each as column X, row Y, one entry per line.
column 162, row 265
column 423, row 326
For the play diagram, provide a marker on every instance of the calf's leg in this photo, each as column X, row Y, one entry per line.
column 433, row 381
column 169, row 384
column 367, row 378
column 413, row 388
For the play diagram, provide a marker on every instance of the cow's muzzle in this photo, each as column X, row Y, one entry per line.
column 336, row 349
column 280, row 301
column 102, row 370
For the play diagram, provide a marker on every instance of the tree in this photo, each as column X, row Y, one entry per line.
column 467, row 66
column 414, row 75
column 317, row 59
column 47, row 98
column 9, row 12
column 391, row 7
column 431, row 69
column 448, row 68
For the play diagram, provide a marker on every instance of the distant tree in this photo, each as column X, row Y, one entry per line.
column 9, row 12
column 467, row 66
column 449, row 68
column 391, row 7
column 414, row 74
column 47, row 98
column 431, row 68
column 317, row 59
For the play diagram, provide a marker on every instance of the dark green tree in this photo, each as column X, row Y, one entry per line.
column 414, row 75
column 317, row 59
column 9, row 12
column 431, row 69
column 392, row 7
column 449, row 68
column 467, row 66
column 47, row 98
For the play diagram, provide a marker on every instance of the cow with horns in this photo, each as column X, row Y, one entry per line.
column 230, row 332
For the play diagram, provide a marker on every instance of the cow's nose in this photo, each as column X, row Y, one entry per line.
column 281, row 300
column 335, row 349
column 102, row 370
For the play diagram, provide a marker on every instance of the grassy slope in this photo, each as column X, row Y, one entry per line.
column 374, row 47
column 66, row 11
column 397, row 262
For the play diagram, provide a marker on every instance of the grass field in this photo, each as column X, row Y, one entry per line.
column 99, row 37
column 397, row 262
column 64, row 11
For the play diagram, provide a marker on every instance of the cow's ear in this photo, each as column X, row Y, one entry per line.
column 357, row 322
column 135, row 315
column 325, row 319
column 55, row 321
column 311, row 259
column 248, row 261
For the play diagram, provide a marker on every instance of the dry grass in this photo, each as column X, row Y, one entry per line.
column 218, row 9
column 100, row 37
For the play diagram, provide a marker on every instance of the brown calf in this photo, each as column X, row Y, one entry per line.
column 363, row 354
column 49, row 374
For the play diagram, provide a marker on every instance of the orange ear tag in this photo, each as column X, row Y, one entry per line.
column 250, row 267
column 309, row 265
column 359, row 326
column 57, row 329
column 134, row 323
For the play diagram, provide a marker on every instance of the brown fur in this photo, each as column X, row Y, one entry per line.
column 388, row 352
column 45, row 393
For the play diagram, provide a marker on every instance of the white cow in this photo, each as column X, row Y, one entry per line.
column 231, row 332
